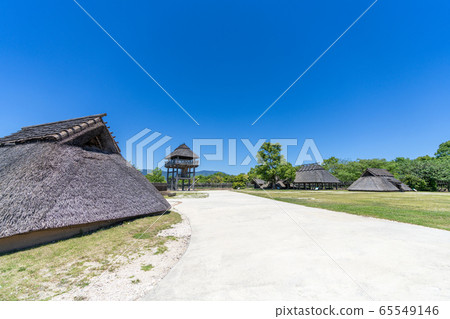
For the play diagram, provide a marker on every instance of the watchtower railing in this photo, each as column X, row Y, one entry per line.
column 181, row 162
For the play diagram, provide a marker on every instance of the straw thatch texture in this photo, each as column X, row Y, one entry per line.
column 260, row 183
column 52, row 131
column 372, row 184
column 377, row 172
column 314, row 173
column 282, row 184
column 50, row 185
column 182, row 151
column 378, row 180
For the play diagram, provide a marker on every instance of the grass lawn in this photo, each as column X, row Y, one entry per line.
column 421, row 208
column 45, row 271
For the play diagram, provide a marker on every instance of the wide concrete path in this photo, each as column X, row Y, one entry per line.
column 247, row 248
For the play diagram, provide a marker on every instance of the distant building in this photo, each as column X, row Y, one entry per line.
column 378, row 180
column 262, row 184
column 314, row 176
column 64, row 178
column 259, row 183
column 181, row 164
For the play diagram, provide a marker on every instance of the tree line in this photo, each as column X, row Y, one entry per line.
column 423, row 173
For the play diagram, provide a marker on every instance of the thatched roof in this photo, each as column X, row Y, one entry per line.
column 258, row 181
column 78, row 131
column 377, row 172
column 282, row 184
column 378, row 180
column 265, row 184
column 182, row 151
column 314, row 173
column 46, row 185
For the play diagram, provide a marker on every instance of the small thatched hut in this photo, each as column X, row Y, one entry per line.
column 61, row 179
column 259, row 183
column 314, row 176
column 378, row 180
column 262, row 184
column 282, row 184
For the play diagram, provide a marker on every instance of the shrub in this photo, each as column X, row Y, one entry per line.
column 415, row 182
column 156, row 176
column 237, row 185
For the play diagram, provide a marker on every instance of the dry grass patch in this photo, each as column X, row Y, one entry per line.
column 43, row 272
column 190, row 194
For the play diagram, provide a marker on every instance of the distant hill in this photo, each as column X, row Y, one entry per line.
column 206, row 173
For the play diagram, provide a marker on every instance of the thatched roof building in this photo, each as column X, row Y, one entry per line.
column 182, row 152
column 60, row 179
column 262, row 184
column 378, row 180
column 181, row 164
column 314, row 176
column 259, row 183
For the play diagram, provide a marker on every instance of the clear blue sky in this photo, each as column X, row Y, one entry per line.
column 382, row 91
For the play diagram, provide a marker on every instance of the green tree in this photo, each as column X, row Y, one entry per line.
column 349, row 171
column 253, row 175
column 332, row 164
column 422, row 173
column 240, row 181
column 217, row 178
column 285, row 171
column 269, row 159
column 424, row 158
column 201, row 179
column 443, row 150
column 415, row 182
column 346, row 171
column 156, row 176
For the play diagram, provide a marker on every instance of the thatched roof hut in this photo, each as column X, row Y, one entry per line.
column 181, row 164
column 282, row 184
column 314, row 175
column 58, row 179
column 378, row 180
column 182, row 152
column 260, row 183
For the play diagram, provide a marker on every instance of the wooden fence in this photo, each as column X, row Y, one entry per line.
column 213, row 185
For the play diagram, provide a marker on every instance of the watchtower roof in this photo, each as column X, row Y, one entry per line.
column 182, row 151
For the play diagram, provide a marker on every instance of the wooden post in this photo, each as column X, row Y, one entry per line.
column 189, row 179
column 168, row 178
column 173, row 179
column 193, row 179
column 174, row 185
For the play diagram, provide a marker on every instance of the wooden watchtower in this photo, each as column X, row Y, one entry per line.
column 181, row 164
